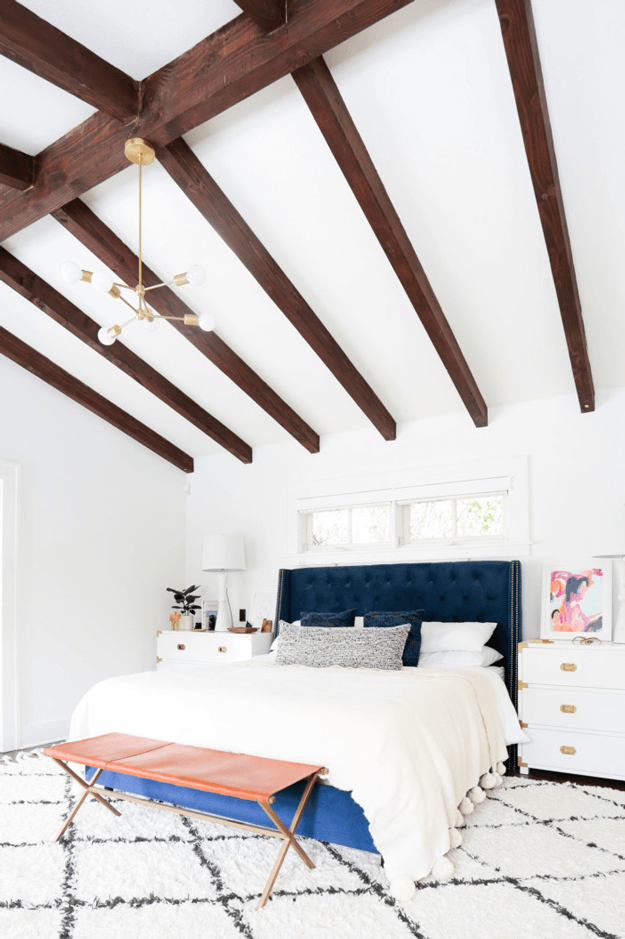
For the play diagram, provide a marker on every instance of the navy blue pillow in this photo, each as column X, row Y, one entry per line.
column 346, row 618
column 413, row 643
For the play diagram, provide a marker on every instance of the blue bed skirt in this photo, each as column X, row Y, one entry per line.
column 330, row 815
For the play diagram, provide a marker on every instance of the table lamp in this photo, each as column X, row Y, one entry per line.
column 222, row 554
column 609, row 542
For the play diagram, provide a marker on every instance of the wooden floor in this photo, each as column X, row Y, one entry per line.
column 580, row 780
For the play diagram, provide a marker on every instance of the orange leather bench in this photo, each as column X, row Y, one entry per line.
column 233, row 774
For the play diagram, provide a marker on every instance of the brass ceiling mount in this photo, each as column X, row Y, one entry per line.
column 139, row 151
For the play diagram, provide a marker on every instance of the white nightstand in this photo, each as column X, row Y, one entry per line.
column 188, row 649
column 572, row 705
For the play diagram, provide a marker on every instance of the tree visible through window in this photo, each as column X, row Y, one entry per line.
column 361, row 525
column 457, row 519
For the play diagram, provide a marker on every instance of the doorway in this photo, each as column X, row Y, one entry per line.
column 8, row 605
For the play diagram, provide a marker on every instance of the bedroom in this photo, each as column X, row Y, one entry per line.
column 83, row 615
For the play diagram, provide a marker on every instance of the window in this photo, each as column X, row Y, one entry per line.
column 453, row 520
column 359, row 525
column 465, row 510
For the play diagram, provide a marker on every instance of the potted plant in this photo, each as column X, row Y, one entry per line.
column 185, row 602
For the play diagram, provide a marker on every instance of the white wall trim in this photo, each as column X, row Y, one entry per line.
column 9, row 698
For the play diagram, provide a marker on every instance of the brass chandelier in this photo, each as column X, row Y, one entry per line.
column 140, row 152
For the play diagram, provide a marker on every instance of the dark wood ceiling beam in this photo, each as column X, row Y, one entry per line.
column 195, row 181
column 78, row 219
column 335, row 123
column 237, row 61
column 268, row 14
column 225, row 68
column 17, row 169
column 33, row 288
column 519, row 37
column 36, row 363
column 38, row 46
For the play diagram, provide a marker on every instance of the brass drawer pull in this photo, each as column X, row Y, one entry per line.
column 568, row 708
column 181, row 646
column 568, row 667
column 570, row 750
column 222, row 648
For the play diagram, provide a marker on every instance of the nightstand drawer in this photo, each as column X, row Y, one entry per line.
column 573, row 709
column 575, row 752
column 570, row 666
column 182, row 648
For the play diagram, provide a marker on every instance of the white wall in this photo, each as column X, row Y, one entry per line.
column 576, row 482
column 101, row 534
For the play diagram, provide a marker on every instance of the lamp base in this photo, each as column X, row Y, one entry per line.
column 224, row 616
column 618, row 629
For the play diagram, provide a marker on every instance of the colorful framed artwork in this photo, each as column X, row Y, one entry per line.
column 577, row 600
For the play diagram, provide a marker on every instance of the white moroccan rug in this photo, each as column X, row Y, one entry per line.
column 539, row 859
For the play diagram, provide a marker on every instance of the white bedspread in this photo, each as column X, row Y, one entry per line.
column 407, row 744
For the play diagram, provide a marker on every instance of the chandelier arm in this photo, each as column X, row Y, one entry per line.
column 128, row 322
column 166, row 283
column 123, row 300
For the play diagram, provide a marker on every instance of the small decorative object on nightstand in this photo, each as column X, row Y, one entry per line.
column 185, row 602
column 572, row 705
column 201, row 648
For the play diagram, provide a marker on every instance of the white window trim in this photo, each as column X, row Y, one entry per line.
column 402, row 486
column 9, row 716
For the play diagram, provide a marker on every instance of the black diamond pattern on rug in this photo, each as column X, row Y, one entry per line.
column 539, row 859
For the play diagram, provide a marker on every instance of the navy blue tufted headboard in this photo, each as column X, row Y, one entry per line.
column 447, row 591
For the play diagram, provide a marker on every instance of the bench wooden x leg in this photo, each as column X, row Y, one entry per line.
column 289, row 839
column 89, row 791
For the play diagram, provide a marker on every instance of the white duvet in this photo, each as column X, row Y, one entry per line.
column 407, row 744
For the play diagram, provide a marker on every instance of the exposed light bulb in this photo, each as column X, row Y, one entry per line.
column 151, row 324
column 102, row 281
column 104, row 338
column 196, row 275
column 206, row 321
column 71, row 272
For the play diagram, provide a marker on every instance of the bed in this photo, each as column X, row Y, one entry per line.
column 479, row 591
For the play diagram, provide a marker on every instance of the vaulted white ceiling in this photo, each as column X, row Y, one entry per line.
column 430, row 92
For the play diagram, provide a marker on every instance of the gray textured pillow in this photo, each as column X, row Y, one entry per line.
column 319, row 647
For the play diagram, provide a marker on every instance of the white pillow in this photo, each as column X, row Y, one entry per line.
column 455, row 659
column 455, row 637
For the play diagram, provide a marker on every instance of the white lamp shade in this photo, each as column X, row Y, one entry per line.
column 608, row 536
column 223, row 553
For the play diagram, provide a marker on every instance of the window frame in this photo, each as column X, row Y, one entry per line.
column 399, row 487
column 455, row 539
column 306, row 533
